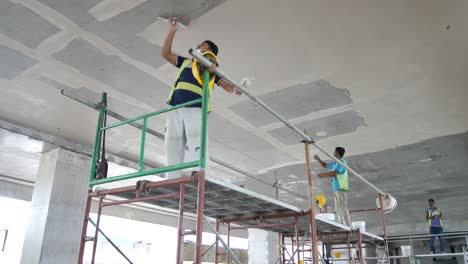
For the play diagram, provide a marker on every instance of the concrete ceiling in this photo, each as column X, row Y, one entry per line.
column 375, row 77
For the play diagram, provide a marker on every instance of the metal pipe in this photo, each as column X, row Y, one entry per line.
column 182, row 166
column 465, row 257
column 110, row 241
column 266, row 217
column 180, row 226
column 406, row 237
column 364, row 210
column 204, row 120
column 312, row 225
column 141, row 159
column 384, row 229
column 96, row 232
column 199, row 223
column 208, row 249
column 84, row 227
column 296, row 229
column 283, row 260
column 349, row 246
column 143, row 199
column 162, row 111
column 216, row 261
column 234, row 257
column 189, row 233
column 149, row 185
column 97, row 139
column 221, row 74
column 228, row 241
column 262, row 226
column 359, row 242
column 439, row 255
column 411, row 250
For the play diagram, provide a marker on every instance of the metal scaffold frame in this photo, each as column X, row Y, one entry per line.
column 174, row 192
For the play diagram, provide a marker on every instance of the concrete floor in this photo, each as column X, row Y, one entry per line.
column 385, row 80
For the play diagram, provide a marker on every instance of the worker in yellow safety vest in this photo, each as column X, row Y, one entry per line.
column 339, row 174
column 436, row 228
column 183, row 125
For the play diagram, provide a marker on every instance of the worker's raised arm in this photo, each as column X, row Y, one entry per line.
column 320, row 161
column 166, row 51
column 229, row 87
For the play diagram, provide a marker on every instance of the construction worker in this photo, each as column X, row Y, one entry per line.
column 434, row 218
column 183, row 125
column 339, row 184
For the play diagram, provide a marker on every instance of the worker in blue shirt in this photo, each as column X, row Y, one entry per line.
column 183, row 125
column 339, row 176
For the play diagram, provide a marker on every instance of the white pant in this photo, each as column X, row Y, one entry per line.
column 183, row 128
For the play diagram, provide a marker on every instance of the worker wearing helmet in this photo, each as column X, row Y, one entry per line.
column 183, row 125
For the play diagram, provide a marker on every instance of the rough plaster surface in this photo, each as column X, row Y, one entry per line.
column 256, row 152
column 121, row 28
column 320, row 128
column 22, row 24
column 13, row 63
column 435, row 168
column 114, row 72
column 292, row 102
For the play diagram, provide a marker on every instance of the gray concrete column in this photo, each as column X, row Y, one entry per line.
column 263, row 247
column 58, row 203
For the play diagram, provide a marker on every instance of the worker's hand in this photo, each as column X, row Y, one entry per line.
column 316, row 157
column 173, row 25
column 320, row 175
column 237, row 91
column 212, row 68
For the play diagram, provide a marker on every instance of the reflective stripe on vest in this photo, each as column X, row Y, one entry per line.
column 187, row 86
column 342, row 178
column 429, row 213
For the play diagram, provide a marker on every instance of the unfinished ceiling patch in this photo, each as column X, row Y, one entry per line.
column 121, row 29
column 329, row 126
column 114, row 72
column 12, row 63
column 292, row 102
column 23, row 25
column 256, row 152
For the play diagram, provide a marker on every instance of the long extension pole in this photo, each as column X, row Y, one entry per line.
column 254, row 98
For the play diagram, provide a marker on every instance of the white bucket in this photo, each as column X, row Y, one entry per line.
column 328, row 216
column 359, row 224
column 388, row 201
